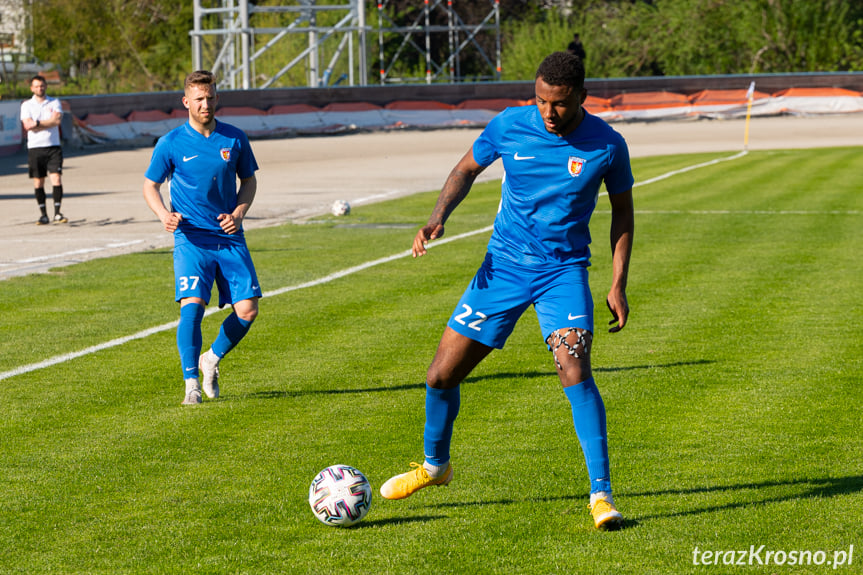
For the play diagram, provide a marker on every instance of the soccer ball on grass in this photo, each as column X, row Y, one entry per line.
column 340, row 495
column 340, row 208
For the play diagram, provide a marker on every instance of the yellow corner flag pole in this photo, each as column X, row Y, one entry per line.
column 750, row 95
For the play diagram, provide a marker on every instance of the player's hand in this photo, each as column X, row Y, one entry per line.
column 425, row 235
column 230, row 224
column 171, row 221
column 619, row 308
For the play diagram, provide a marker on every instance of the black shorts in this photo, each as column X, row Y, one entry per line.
column 44, row 161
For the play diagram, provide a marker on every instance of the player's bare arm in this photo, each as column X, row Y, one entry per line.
column 233, row 222
column 454, row 190
column 622, row 230
column 153, row 197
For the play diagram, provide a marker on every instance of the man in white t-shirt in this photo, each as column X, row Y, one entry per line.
column 41, row 116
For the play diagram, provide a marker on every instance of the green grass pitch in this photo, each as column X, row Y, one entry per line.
column 733, row 397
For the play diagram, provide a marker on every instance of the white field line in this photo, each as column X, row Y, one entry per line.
column 78, row 252
column 214, row 309
column 326, row 279
column 672, row 173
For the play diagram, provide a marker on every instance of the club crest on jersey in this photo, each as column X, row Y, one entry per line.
column 226, row 154
column 575, row 165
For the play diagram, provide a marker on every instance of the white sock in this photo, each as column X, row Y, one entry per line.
column 435, row 471
column 601, row 495
column 211, row 357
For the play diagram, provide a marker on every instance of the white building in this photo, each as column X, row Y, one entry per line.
column 14, row 24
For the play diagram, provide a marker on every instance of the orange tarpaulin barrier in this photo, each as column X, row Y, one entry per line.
column 646, row 100
column 724, row 97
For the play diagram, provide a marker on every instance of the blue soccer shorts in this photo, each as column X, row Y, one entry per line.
column 227, row 264
column 499, row 294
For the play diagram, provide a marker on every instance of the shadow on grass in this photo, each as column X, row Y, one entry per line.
column 818, row 488
column 282, row 394
column 396, row 521
column 577, row 506
column 654, row 366
column 278, row 394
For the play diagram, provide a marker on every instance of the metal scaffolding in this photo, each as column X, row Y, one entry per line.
column 255, row 46
column 459, row 35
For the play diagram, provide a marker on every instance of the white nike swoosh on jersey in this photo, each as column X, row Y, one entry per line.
column 572, row 317
column 185, row 159
column 517, row 157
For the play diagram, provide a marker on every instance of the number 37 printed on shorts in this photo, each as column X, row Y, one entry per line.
column 189, row 282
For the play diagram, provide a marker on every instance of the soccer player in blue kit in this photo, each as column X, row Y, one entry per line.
column 555, row 156
column 203, row 159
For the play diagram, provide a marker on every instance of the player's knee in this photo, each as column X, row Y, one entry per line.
column 192, row 300
column 571, row 349
column 438, row 379
column 247, row 310
column 248, row 315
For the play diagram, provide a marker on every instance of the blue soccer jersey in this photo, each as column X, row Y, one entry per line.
column 550, row 185
column 203, row 174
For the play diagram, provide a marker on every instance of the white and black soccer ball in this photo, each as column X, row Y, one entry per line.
column 340, row 208
column 340, row 495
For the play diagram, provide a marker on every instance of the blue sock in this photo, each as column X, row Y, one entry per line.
column 588, row 415
column 232, row 331
column 441, row 410
column 189, row 339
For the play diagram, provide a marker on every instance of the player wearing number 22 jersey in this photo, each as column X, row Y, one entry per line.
column 202, row 160
column 556, row 157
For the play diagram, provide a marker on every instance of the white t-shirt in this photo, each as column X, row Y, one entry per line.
column 41, row 111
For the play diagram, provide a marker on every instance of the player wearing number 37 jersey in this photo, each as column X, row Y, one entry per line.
column 202, row 160
column 555, row 157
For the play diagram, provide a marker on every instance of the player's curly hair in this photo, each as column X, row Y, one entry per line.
column 200, row 77
column 562, row 69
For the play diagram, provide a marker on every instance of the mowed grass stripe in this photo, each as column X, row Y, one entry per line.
column 724, row 432
column 278, row 291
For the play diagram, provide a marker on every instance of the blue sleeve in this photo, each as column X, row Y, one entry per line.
column 246, row 164
column 618, row 178
column 161, row 165
column 485, row 148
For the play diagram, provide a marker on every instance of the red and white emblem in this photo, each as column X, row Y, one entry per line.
column 226, row 154
column 575, row 165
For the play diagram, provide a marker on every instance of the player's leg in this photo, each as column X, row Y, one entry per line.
column 456, row 357
column 238, row 283
column 233, row 329
column 189, row 342
column 37, row 173
column 193, row 281
column 571, row 349
column 567, row 302
column 55, row 169
column 482, row 321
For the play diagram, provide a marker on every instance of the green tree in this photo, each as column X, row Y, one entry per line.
column 807, row 36
column 693, row 37
column 115, row 45
column 144, row 45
